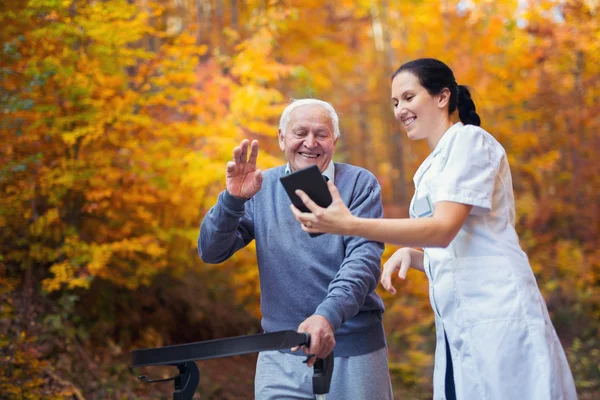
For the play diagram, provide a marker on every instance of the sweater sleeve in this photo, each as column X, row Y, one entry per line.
column 359, row 273
column 227, row 227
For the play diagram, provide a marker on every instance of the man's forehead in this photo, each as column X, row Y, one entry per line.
column 310, row 114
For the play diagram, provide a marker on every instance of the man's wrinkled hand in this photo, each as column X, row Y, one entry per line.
column 242, row 179
column 322, row 339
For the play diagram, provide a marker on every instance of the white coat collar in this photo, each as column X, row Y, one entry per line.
column 438, row 148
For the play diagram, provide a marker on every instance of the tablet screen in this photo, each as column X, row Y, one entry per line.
column 311, row 181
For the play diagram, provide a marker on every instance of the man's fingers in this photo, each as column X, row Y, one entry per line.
column 322, row 340
column 327, row 345
column 237, row 151
column 253, row 152
column 324, row 352
column 315, row 343
column 244, row 152
column 230, row 166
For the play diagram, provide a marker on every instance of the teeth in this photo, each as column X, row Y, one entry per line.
column 309, row 155
column 409, row 121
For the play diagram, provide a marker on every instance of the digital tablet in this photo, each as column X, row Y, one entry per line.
column 311, row 181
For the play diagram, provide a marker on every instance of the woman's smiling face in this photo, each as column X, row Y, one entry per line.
column 417, row 111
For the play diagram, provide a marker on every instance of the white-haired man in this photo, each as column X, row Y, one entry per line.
column 323, row 285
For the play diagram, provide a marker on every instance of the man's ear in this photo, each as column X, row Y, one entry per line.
column 280, row 140
column 443, row 98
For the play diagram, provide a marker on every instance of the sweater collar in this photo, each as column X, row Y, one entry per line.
column 329, row 171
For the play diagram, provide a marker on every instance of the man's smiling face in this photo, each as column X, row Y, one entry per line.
column 308, row 138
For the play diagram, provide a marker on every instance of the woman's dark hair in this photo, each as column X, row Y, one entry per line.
column 434, row 76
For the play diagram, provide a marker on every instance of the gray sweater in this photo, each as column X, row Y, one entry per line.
column 329, row 275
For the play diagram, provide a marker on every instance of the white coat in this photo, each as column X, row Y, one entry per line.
column 481, row 287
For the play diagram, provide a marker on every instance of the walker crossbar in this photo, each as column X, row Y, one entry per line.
column 233, row 346
column 183, row 356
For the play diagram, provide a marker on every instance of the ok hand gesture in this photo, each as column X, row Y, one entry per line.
column 242, row 178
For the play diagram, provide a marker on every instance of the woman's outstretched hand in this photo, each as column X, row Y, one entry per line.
column 335, row 219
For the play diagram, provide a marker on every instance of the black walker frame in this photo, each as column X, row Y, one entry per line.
column 183, row 357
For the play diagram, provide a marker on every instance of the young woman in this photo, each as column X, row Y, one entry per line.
column 494, row 335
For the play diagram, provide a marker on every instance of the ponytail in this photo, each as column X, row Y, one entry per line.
column 466, row 107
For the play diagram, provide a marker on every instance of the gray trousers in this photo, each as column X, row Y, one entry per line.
column 282, row 376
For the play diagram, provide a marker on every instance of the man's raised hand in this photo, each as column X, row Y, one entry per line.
column 242, row 178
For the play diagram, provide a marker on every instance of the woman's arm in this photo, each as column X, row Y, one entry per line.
column 435, row 231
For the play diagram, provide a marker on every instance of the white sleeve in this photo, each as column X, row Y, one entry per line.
column 469, row 171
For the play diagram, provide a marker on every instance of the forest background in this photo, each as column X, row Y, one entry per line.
column 117, row 119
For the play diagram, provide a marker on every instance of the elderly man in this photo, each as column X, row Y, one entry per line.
column 323, row 285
